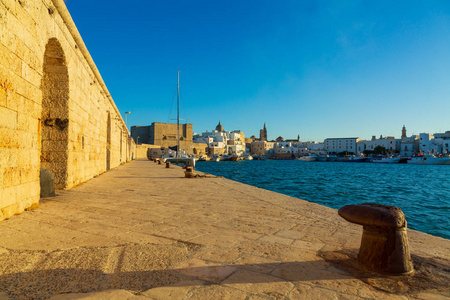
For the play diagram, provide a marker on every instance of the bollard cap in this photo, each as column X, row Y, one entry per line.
column 372, row 214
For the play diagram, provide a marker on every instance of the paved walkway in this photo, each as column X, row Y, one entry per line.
column 144, row 231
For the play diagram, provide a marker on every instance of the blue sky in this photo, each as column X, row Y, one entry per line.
column 314, row 68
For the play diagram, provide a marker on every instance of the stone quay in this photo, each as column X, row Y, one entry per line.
column 143, row 231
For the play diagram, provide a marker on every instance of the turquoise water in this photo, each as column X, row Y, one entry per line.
column 422, row 192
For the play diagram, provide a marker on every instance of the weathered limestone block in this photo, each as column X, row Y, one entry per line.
column 8, row 117
column 384, row 243
column 9, row 211
column 47, row 183
column 2, row 97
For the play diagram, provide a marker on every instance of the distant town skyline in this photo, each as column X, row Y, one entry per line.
column 314, row 69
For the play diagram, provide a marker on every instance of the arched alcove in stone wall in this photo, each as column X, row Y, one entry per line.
column 108, row 142
column 55, row 113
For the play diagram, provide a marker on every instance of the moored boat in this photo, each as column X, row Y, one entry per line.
column 386, row 160
column 181, row 159
column 311, row 157
column 247, row 157
column 331, row 157
column 326, row 157
column 234, row 157
column 354, row 159
column 322, row 157
column 429, row 159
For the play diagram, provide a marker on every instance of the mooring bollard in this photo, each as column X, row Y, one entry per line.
column 384, row 243
column 159, row 161
column 189, row 173
column 167, row 164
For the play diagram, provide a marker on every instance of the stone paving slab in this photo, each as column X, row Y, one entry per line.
column 145, row 232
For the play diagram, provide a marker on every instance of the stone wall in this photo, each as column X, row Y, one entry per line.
column 55, row 110
column 199, row 149
column 142, row 149
column 164, row 135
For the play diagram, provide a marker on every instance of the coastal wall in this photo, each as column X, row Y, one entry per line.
column 55, row 110
column 141, row 150
column 199, row 149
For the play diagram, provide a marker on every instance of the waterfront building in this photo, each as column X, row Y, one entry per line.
column 262, row 148
column 165, row 135
column 338, row 145
column 360, row 147
column 221, row 141
column 409, row 145
column 289, row 150
column 391, row 144
column 429, row 144
column 314, row 147
column 236, row 143
column 444, row 136
column 283, row 150
column 248, row 143
column 445, row 141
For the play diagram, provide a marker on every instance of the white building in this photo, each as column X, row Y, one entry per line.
column 337, row 145
column 429, row 144
column 315, row 146
column 391, row 144
column 445, row 137
column 221, row 142
column 409, row 145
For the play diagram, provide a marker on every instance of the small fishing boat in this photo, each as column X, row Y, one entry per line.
column 386, row 160
column 247, row 157
column 311, row 157
column 429, row 159
column 234, row 157
column 326, row 157
column 354, row 159
column 224, row 158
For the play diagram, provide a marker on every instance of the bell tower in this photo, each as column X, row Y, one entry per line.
column 263, row 133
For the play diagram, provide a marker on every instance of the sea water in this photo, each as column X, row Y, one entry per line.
column 421, row 191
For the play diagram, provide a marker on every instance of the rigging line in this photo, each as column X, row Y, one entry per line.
column 173, row 104
column 182, row 105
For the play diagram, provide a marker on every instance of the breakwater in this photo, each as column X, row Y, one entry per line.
column 422, row 192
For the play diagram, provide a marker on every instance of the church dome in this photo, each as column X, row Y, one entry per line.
column 219, row 127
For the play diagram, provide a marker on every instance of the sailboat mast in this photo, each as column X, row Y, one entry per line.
column 178, row 112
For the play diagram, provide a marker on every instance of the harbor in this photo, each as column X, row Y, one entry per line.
column 420, row 191
column 104, row 196
column 158, row 235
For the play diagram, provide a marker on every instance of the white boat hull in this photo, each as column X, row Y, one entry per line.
column 429, row 160
column 387, row 160
column 307, row 158
column 188, row 161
